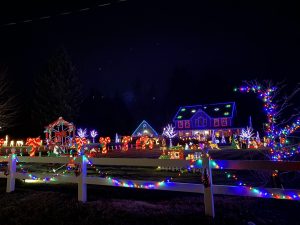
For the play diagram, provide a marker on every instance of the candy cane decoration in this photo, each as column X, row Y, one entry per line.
column 151, row 143
column 125, row 141
column 34, row 143
column 1, row 142
column 104, row 141
column 80, row 142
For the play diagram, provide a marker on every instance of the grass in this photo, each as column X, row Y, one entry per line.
column 57, row 204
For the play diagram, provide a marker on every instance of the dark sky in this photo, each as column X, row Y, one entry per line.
column 217, row 43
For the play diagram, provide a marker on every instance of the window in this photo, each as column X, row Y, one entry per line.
column 224, row 122
column 205, row 122
column 216, row 122
column 201, row 121
column 180, row 124
column 187, row 124
column 197, row 123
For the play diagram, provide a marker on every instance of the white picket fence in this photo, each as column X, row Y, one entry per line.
column 82, row 180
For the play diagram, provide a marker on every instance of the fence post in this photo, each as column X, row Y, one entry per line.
column 10, row 184
column 82, row 195
column 208, row 188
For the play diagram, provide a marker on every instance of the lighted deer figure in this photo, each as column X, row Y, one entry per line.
column 19, row 143
column 6, row 141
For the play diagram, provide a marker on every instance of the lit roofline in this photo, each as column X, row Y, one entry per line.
column 148, row 125
column 190, row 106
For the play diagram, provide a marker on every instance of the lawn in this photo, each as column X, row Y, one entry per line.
column 57, row 204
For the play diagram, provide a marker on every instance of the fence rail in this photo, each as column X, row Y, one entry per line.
column 206, row 164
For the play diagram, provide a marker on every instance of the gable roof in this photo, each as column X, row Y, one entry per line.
column 60, row 122
column 144, row 129
column 226, row 109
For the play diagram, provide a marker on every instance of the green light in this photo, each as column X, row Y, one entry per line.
column 228, row 106
column 226, row 113
column 179, row 117
column 183, row 109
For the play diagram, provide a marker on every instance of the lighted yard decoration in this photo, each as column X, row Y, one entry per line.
column 247, row 134
column 169, row 133
column 144, row 129
column 1, row 142
column 80, row 141
column 60, row 131
column 223, row 141
column 257, row 138
column 117, row 139
column 93, row 134
column 34, row 143
column 104, row 141
column 274, row 106
column 125, row 142
column 144, row 141
column 82, row 133
column 213, row 145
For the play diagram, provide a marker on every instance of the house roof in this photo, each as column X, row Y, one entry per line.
column 144, row 129
column 60, row 121
column 213, row 110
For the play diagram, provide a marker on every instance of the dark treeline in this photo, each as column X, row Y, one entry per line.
column 58, row 91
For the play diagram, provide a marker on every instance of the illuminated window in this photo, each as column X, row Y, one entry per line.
column 187, row 124
column 179, row 117
column 226, row 113
column 228, row 106
column 216, row 123
column 183, row 109
column 224, row 122
column 180, row 124
column 216, row 109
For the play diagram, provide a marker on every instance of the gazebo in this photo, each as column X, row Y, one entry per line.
column 60, row 132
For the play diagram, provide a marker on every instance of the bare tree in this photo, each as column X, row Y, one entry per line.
column 8, row 105
column 283, row 115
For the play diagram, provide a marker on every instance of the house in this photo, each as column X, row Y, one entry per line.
column 144, row 129
column 203, row 121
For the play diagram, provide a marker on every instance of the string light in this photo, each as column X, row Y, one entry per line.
column 279, row 150
column 259, row 192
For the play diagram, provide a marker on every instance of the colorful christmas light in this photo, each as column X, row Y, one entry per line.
column 279, row 150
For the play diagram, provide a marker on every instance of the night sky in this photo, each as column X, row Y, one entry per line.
column 203, row 50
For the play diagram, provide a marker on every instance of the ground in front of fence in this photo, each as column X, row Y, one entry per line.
column 57, row 204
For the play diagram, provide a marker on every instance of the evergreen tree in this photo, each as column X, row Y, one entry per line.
column 57, row 91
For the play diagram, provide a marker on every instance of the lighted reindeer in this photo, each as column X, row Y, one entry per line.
column 19, row 143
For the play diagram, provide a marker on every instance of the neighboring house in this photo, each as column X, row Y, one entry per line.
column 144, row 129
column 203, row 120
